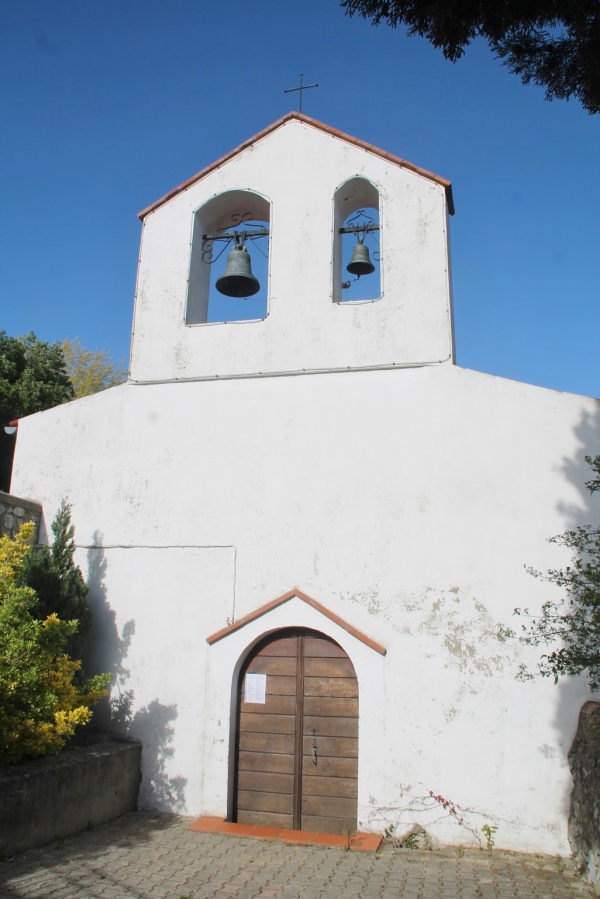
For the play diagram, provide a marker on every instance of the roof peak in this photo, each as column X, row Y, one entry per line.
column 320, row 126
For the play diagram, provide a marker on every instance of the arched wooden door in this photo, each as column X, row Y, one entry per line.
column 296, row 760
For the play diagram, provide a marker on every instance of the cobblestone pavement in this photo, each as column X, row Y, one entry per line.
column 145, row 855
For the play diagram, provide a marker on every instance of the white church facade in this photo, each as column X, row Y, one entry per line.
column 305, row 528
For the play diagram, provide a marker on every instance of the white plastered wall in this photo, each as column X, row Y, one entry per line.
column 407, row 502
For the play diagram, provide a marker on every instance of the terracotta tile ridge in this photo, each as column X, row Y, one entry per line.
column 327, row 129
column 216, row 164
column 263, row 610
column 383, row 154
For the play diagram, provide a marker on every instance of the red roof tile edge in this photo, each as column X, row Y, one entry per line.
column 218, row 635
column 298, row 116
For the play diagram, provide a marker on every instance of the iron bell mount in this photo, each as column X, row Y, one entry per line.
column 237, row 280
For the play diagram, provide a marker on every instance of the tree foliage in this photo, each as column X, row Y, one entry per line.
column 40, row 702
column 33, row 376
column 91, row 370
column 552, row 43
column 57, row 581
column 574, row 621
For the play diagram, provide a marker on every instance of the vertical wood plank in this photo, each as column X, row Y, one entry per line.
column 298, row 743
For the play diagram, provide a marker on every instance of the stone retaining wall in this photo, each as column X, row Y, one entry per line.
column 15, row 511
column 584, row 822
column 45, row 799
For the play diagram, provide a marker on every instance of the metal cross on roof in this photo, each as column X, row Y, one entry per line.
column 303, row 87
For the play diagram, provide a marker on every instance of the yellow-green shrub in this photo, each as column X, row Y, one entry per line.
column 40, row 705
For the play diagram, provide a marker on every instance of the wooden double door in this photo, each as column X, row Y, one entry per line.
column 296, row 762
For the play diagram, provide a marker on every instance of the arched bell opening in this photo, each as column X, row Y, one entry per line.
column 356, row 251
column 295, row 734
column 229, row 262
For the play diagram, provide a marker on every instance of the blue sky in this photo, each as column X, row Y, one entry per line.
column 105, row 106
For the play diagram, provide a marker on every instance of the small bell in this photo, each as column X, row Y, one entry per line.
column 360, row 263
column 237, row 280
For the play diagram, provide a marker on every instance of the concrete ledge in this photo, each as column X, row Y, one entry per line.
column 45, row 799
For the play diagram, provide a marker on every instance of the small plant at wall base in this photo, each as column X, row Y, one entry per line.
column 348, row 833
column 423, row 810
column 574, row 621
column 411, row 842
column 40, row 702
column 489, row 830
column 454, row 811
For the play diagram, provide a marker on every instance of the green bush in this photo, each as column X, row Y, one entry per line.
column 570, row 627
column 58, row 583
column 41, row 703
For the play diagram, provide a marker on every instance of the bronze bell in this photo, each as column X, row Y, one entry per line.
column 237, row 280
column 360, row 263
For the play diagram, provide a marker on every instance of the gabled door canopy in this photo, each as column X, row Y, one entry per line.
column 214, row 638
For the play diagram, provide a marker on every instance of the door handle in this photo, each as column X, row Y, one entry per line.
column 314, row 747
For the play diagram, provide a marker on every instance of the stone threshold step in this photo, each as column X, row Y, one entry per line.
column 359, row 842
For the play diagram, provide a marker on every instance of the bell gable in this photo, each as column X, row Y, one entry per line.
column 331, row 255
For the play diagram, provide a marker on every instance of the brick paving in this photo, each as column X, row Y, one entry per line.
column 144, row 855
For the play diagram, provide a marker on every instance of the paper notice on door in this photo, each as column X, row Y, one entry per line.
column 255, row 688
